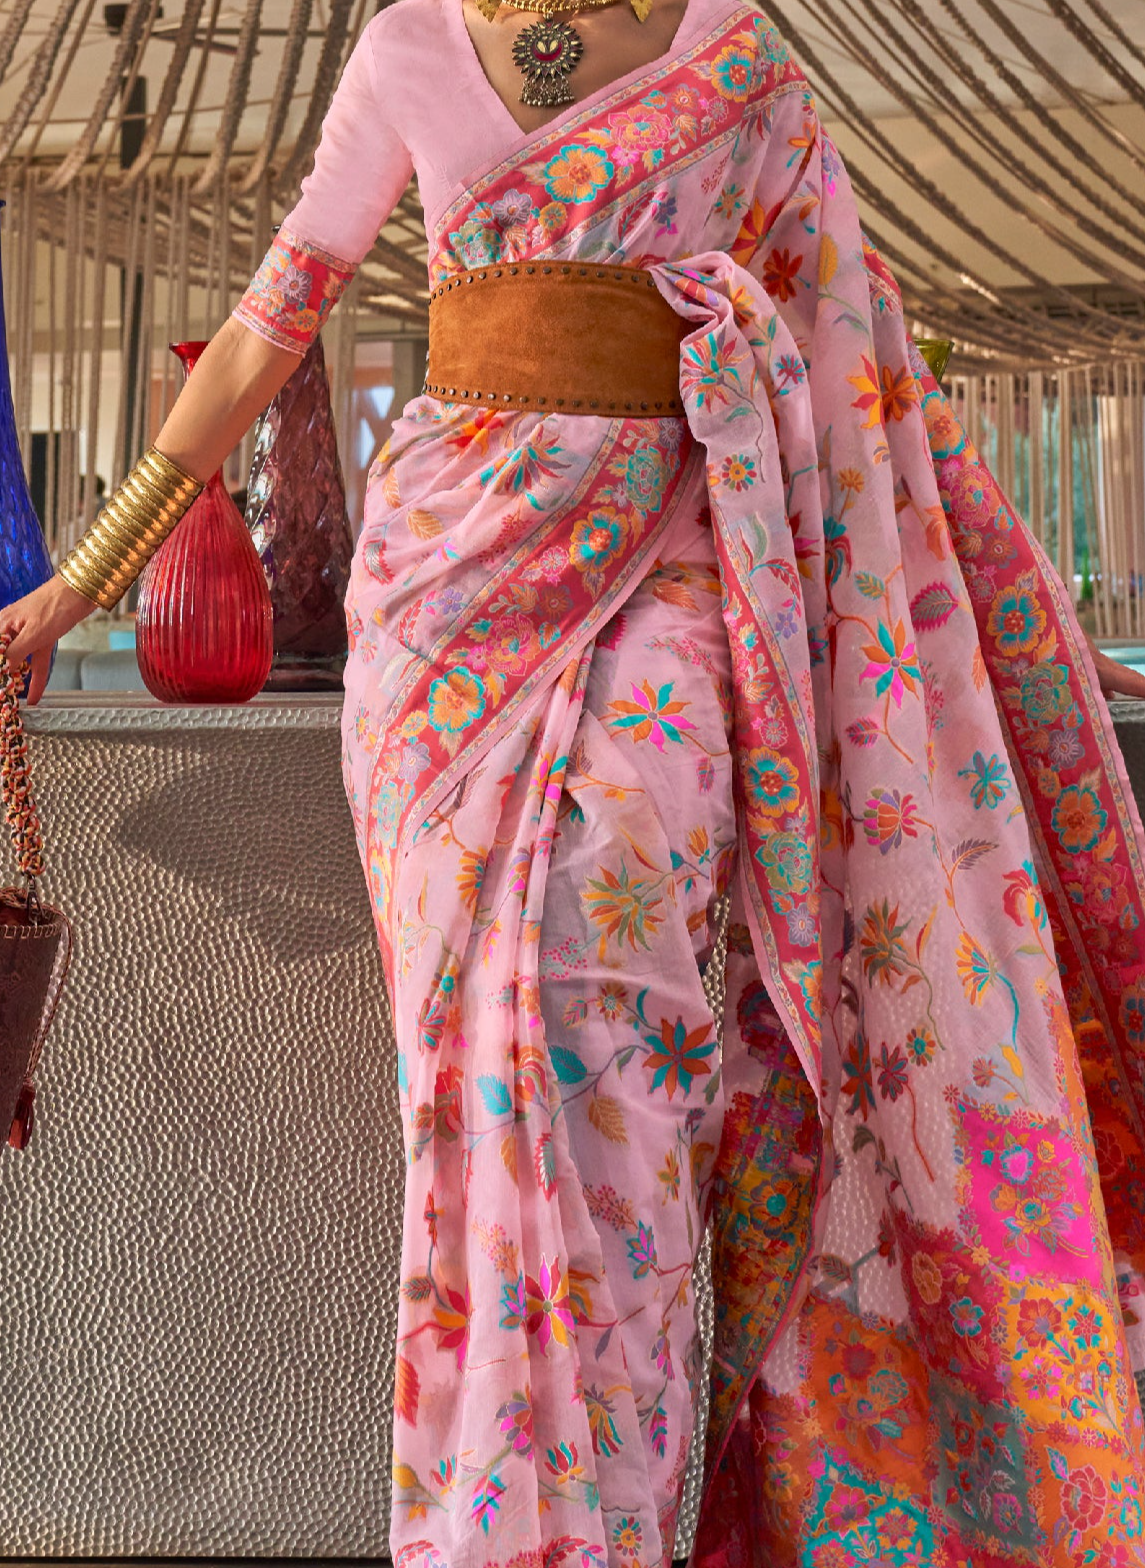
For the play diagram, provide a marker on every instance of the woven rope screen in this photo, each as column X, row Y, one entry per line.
column 1032, row 258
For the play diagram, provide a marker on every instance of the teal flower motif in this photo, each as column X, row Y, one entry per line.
column 1016, row 620
column 786, row 860
column 644, row 478
column 478, row 241
column 894, row 663
column 651, row 715
column 967, row 1317
column 1045, row 692
column 514, row 1308
column 990, row 780
column 387, row 811
column 642, row 1250
column 770, row 44
column 709, row 372
column 457, row 700
column 732, row 73
column 678, row 1056
column 598, row 539
column 772, row 782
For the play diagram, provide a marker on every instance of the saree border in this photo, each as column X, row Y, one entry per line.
column 780, row 78
column 561, row 127
column 1122, row 814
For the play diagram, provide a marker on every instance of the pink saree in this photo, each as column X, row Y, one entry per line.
column 795, row 651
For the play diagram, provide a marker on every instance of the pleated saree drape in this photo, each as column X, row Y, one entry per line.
column 796, row 648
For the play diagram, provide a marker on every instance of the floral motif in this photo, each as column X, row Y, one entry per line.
column 732, row 73
column 651, row 715
column 577, row 174
column 292, row 293
column 547, row 1311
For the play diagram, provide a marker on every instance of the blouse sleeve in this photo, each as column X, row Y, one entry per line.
column 361, row 168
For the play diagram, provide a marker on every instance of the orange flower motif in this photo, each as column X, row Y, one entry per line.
column 652, row 715
column 869, row 400
column 623, row 907
column 900, row 393
column 678, row 1055
column 780, row 274
column 751, row 234
column 470, row 877
column 885, row 395
column 975, row 970
column 476, row 430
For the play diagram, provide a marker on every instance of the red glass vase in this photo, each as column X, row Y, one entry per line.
column 204, row 631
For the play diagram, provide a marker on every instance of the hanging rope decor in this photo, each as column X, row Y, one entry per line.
column 163, row 170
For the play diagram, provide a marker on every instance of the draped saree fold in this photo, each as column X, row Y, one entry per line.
column 795, row 649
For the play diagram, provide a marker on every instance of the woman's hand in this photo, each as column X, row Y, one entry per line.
column 1116, row 680
column 36, row 623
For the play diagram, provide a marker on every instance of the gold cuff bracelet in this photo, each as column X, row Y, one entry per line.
column 129, row 529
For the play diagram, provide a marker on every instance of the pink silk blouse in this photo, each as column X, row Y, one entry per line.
column 413, row 100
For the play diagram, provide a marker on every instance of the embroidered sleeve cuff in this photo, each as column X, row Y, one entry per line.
column 293, row 292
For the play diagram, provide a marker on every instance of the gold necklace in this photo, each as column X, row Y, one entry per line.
column 548, row 51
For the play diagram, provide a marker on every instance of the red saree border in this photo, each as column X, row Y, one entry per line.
column 1026, row 591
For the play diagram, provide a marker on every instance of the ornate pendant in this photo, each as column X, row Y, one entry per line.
column 547, row 52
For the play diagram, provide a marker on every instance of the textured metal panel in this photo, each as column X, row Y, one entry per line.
column 199, row 1250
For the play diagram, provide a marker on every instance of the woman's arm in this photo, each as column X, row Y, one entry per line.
column 237, row 375
column 361, row 167
column 1116, row 680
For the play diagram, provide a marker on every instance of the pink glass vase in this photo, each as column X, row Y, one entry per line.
column 205, row 626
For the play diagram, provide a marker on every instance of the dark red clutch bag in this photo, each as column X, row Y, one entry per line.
column 35, row 938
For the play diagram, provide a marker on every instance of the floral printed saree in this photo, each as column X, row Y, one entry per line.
column 797, row 654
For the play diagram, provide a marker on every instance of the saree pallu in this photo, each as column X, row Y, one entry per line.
column 798, row 651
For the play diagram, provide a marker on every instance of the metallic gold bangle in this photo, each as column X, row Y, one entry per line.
column 129, row 529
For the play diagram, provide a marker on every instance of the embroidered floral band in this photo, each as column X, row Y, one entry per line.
column 293, row 292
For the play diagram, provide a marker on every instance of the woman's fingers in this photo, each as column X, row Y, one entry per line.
column 41, row 669
column 12, row 626
column 34, row 624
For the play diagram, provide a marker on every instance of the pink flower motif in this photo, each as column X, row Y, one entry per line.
column 651, row 715
column 547, row 1301
column 847, row 1506
column 516, row 1418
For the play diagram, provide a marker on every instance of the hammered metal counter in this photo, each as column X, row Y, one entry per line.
column 199, row 1248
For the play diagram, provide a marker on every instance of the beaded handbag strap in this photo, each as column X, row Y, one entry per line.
column 16, row 779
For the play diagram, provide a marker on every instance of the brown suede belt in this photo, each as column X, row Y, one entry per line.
column 556, row 336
